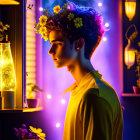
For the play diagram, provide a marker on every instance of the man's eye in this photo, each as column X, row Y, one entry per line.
column 57, row 44
column 60, row 44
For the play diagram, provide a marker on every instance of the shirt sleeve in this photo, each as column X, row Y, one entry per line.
column 96, row 117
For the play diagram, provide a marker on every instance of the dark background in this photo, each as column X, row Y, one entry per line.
column 131, row 113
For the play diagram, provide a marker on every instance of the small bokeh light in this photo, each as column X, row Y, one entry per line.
column 63, row 101
column 100, row 4
column 104, row 39
column 40, row 9
column 57, row 125
column 106, row 24
column 49, row 96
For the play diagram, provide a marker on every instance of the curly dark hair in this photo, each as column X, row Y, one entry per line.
column 92, row 29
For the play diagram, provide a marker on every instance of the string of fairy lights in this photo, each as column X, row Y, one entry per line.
column 63, row 101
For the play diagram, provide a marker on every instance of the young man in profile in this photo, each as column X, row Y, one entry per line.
column 94, row 111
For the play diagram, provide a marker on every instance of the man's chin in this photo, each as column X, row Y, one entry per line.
column 59, row 65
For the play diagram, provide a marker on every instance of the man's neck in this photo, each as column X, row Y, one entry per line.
column 79, row 70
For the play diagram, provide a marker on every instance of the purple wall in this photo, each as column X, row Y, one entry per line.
column 39, row 49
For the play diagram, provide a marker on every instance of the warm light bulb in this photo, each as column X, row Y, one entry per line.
column 40, row 9
column 130, row 9
column 99, row 4
column 57, row 125
column 49, row 96
column 63, row 101
column 129, row 55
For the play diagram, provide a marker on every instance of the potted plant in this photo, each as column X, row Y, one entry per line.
column 32, row 134
column 136, row 89
column 32, row 90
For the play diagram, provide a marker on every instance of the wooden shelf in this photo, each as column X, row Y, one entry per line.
column 21, row 110
column 15, row 110
column 32, row 109
column 130, row 95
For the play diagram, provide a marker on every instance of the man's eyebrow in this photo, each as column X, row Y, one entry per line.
column 61, row 40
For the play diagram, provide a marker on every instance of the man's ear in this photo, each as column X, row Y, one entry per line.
column 79, row 43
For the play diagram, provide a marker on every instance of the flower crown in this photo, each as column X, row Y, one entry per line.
column 58, row 12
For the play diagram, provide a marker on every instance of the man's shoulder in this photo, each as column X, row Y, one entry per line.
column 92, row 99
column 104, row 94
column 102, row 89
column 106, row 90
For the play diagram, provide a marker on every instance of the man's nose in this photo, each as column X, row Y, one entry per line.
column 52, row 50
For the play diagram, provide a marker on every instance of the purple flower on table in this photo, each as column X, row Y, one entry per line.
column 23, row 125
column 30, row 134
column 24, row 132
column 33, row 133
column 16, row 130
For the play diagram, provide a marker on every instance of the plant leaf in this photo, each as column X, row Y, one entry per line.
column 1, row 24
column 8, row 26
column 1, row 30
column 4, row 28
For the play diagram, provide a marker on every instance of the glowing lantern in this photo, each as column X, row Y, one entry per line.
column 130, row 8
column 129, row 55
column 7, row 72
column 7, row 75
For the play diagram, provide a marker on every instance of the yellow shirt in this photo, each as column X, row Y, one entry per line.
column 94, row 111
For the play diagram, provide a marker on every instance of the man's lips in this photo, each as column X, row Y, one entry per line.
column 54, row 59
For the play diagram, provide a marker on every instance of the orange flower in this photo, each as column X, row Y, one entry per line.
column 57, row 9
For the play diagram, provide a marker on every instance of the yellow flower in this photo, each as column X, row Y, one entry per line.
column 43, row 20
column 42, row 29
column 44, row 35
column 41, row 136
column 57, row 9
column 70, row 16
column 78, row 22
column 38, row 132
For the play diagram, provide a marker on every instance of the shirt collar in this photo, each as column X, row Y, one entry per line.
column 95, row 74
column 72, row 87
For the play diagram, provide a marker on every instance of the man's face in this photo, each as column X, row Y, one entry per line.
column 63, row 52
